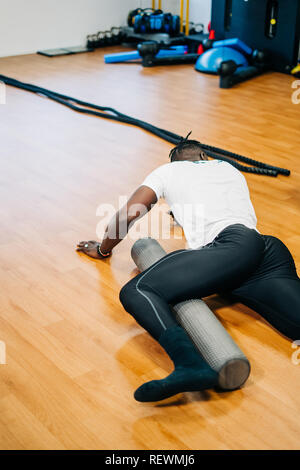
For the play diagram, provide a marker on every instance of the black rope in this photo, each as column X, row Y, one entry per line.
column 247, row 160
column 107, row 112
column 115, row 115
column 246, row 169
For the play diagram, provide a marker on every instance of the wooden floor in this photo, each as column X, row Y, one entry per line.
column 74, row 357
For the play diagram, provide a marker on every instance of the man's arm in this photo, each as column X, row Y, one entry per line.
column 137, row 206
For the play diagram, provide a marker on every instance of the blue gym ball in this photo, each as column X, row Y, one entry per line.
column 210, row 61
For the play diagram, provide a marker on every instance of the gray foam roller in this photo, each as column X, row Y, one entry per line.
column 145, row 252
column 207, row 333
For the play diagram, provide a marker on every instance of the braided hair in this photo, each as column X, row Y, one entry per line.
column 186, row 146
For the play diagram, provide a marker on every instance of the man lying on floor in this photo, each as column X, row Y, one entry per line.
column 229, row 255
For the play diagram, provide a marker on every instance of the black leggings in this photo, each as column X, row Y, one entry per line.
column 258, row 270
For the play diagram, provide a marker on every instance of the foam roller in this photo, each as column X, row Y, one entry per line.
column 207, row 333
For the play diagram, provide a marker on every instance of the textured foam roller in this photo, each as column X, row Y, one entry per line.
column 207, row 333
column 145, row 252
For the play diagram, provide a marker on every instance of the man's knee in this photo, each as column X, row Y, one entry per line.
column 134, row 292
column 128, row 294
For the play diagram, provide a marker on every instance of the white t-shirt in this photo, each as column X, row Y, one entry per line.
column 204, row 196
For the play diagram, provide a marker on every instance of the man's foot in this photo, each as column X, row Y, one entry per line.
column 181, row 380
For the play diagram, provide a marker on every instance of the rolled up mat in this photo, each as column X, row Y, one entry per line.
column 209, row 336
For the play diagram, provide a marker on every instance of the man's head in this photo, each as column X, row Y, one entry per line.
column 190, row 150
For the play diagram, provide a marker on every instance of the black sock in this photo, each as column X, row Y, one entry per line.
column 191, row 372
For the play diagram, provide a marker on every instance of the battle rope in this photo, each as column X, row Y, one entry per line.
column 106, row 112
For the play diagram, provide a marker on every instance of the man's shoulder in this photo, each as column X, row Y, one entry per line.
column 163, row 169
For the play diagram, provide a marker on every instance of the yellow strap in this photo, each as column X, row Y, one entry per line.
column 187, row 17
column 296, row 69
column 181, row 15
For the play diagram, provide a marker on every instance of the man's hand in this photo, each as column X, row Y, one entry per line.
column 90, row 248
column 138, row 204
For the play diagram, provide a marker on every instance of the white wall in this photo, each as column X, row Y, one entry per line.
column 30, row 25
column 200, row 11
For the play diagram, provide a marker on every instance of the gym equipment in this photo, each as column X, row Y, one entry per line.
column 208, row 335
column 185, row 28
column 148, row 24
column 231, row 74
column 227, row 67
column 114, row 37
column 208, row 42
column 269, row 25
column 132, row 39
column 233, row 43
column 187, row 18
column 149, row 51
column 154, row 3
column 148, row 20
column 140, row 12
column 195, row 41
column 106, row 112
column 296, row 71
column 157, row 23
column 153, row 53
column 135, row 55
column 181, row 15
column 211, row 60
column 233, row 60
column 195, row 28
column 65, row 51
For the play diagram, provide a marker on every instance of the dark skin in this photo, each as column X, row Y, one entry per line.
column 137, row 206
column 141, row 202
